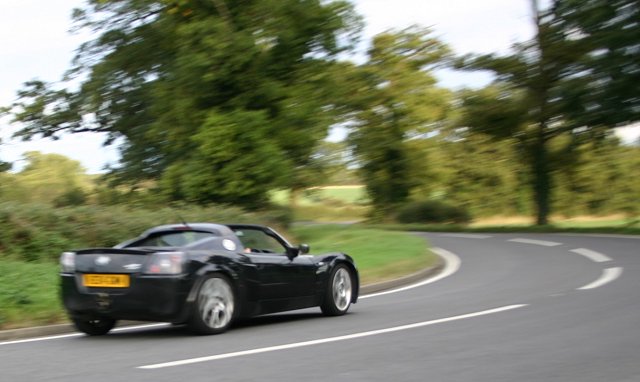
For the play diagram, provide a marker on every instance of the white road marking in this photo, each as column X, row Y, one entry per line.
column 592, row 255
column 452, row 264
column 608, row 275
column 40, row 339
column 536, row 242
column 466, row 235
column 330, row 339
column 47, row 338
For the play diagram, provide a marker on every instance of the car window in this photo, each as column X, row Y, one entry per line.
column 172, row 239
column 258, row 241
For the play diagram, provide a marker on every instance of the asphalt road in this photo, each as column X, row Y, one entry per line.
column 510, row 307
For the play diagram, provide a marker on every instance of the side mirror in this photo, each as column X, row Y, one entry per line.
column 303, row 249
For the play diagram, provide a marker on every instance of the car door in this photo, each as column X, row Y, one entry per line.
column 280, row 276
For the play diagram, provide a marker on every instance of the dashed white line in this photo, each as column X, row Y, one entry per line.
column 452, row 264
column 536, row 242
column 608, row 275
column 466, row 235
column 329, row 339
column 592, row 255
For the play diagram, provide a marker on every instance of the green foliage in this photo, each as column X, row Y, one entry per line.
column 47, row 178
column 474, row 171
column 602, row 90
column 432, row 211
column 220, row 171
column 401, row 102
column 603, row 178
column 39, row 233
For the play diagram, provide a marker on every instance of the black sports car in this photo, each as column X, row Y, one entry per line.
column 203, row 275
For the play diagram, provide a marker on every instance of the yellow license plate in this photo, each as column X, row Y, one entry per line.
column 105, row 281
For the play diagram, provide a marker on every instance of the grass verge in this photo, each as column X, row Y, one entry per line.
column 380, row 255
column 560, row 228
column 29, row 294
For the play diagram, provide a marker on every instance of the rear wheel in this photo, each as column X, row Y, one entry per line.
column 339, row 292
column 214, row 308
column 94, row 326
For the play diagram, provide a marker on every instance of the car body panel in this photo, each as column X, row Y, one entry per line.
column 265, row 280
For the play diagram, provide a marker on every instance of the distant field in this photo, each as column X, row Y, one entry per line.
column 355, row 194
column 327, row 203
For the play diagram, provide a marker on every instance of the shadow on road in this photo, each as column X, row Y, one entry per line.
column 169, row 331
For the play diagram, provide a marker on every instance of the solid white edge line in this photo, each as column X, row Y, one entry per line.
column 592, row 255
column 608, row 275
column 330, row 339
column 36, row 339
column 536, row 242
column 452, row 264
column 47, row 338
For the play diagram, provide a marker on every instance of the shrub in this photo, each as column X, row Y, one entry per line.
column 432, row 211
column 36, row 233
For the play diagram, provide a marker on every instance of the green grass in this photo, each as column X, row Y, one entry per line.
column 29, row 294
column 379, row 255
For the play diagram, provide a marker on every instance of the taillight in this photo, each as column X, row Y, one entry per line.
column 68, row 262
column 165, row 263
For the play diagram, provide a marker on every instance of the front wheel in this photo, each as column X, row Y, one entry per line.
column 94, row 326
column 214, row 308
column 339, row 292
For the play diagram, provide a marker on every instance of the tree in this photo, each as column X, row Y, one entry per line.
column 174, row 78
column 400, row 101
column 556, row 80
column 49, row 178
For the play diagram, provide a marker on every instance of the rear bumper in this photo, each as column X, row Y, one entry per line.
column 149, row 298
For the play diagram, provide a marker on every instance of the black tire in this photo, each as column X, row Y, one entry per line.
column 94, row 326
column 214, row 309
column 339, row 292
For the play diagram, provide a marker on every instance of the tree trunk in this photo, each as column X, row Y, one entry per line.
column 541, row 172
column 541, row 177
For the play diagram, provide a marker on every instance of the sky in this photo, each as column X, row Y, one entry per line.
column 35, row 43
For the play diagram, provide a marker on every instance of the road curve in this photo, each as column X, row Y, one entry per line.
column 517, row 307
